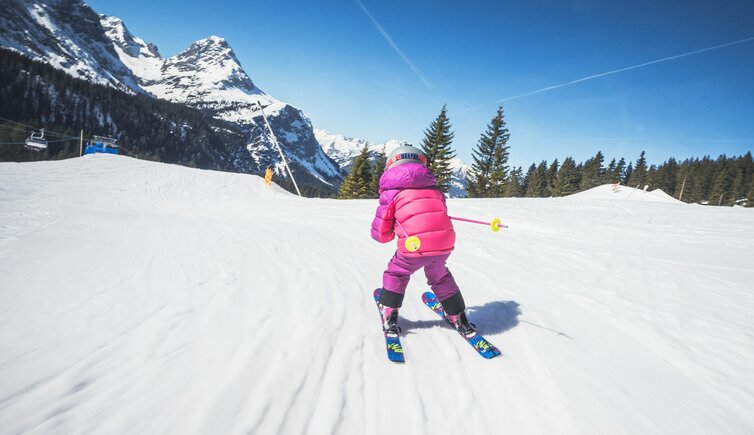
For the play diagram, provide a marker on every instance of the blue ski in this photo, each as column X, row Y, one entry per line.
column 392, row 342
column 479, row 343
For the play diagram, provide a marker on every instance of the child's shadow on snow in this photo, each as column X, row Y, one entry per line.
column 491, row 318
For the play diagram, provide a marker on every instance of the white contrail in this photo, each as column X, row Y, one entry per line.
column 392, row 44
column 583, row 79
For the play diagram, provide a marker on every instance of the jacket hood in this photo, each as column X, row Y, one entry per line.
column 407, row 176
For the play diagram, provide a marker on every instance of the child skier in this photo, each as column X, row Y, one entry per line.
column 411, row 205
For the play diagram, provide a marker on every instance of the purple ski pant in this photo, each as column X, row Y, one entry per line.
column 439, row 278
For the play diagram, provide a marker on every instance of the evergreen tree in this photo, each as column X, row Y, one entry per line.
column 620, row 172
column 527, row 178
column 665, row 176
column 700, row 181
column 537, row 183
column 357, row 184
column 737, row 189
column 747, row 165
column 639, row 174
column 379, row 169
column 681, row 182
column 707, row 180
column 551, row 177
column 436, row 146
column 628, row 174
column 489, row 172
column 611, row 172
column 721, row 187
column 592, row 173
column 579, row 171
column 513, row 186
column 566, row 182
column 651, row 178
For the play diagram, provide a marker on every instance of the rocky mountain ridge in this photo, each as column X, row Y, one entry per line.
column 70, row 36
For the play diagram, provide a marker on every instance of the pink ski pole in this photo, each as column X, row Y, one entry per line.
column 413, row 243
column 495, row 224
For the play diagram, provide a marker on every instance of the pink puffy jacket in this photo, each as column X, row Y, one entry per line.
column 408, row 196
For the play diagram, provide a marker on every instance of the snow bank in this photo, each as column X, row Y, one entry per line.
column 625, row 193
column 138, row 297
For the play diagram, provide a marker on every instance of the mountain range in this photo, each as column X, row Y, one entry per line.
column 208, row 76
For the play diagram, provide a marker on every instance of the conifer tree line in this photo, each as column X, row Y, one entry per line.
column 721, row 181
column 363, row 180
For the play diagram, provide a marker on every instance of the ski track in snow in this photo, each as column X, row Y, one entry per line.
column 139, row 297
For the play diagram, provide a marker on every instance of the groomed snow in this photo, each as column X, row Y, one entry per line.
column 138, row 297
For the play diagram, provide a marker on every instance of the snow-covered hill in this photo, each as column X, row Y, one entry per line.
column 139, row 297
column 71, row 36
column 625, row 193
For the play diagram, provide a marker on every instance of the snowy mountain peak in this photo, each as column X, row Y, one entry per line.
column 212, row 41
column 198, row 73
column 212, row 47
column 116, row 30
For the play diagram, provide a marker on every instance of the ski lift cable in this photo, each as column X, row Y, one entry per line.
column 26, row 126
column 25, row 130
column 47, row 132
column 18, row 123
column 277, row 145
column 49, row 141
column 64, row 140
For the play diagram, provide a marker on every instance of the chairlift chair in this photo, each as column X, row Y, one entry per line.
column 101, row 144
column 37, row 142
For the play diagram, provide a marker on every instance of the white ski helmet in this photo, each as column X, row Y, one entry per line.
column 405, row 154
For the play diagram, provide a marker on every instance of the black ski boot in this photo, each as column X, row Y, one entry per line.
column 462, row 324
column 390, row 321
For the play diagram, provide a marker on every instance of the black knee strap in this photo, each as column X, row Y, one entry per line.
column 391, row 299
column 454, row 304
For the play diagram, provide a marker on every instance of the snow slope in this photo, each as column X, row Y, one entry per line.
column 139, row 297
column 625, row 193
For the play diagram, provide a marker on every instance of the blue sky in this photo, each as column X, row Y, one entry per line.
column 382, row 69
